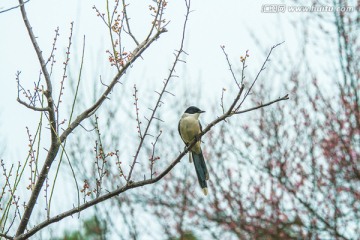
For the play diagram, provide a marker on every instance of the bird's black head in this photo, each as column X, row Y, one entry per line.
column 192, row 110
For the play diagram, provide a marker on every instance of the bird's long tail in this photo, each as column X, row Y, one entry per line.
column 201, row 170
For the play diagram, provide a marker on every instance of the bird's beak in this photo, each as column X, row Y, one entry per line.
column 202, row 111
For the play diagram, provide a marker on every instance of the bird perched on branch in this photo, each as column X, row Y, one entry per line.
column 189, row 128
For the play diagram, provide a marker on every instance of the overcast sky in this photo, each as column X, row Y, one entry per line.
column 211, row 24
column 231, row 23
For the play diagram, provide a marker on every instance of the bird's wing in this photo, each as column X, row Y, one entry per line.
column 200, row 129
column 180, row 132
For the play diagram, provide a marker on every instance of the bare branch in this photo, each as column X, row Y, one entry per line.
column 153, row 158
column 43, row 109
column 54, row 147
column 138, row 122
column 56, row 140
column 166, row 81
column 66, row 63
column 286, row 97
column 236, row 100
column 230, row 67
column 91, row 110
column 222, row 100
column 36, row 47
column 52, row 54
column 155, row 19
column 258, row 74
column 6, row 236
column 55, row 144
column 127, row 22
column 6, row 10
column 169, row 93
column 130, row 184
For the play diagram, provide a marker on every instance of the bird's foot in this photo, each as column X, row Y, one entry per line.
column 197, row 137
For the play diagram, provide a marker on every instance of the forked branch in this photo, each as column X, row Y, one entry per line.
column 56, row 140
column 131, row 184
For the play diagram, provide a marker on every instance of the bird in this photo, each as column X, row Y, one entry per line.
column 189, row 128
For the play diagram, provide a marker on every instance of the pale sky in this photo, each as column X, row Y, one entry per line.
column 232, row 23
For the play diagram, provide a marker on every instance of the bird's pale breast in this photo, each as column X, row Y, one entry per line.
column 190, row 129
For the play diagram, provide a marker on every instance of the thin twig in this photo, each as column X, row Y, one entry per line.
column 230, row 67
column 6, row 10
column 52, row 55
column 66, row 63
column 127, row 23
column 153, row 158
column 40, row 109
column 222, row 100
column 100, row 155
column 258, row 74
column 286, row 97
column 155, row 19
column 113, row 44
column 138, row 122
